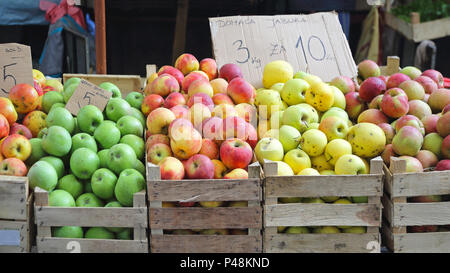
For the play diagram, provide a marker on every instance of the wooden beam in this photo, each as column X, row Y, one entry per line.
column 179, row 42
column 100, row 36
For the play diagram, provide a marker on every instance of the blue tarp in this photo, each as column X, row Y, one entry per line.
column 22, row 12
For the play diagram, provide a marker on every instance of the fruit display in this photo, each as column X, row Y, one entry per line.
column 92, row 160
column 201, row 124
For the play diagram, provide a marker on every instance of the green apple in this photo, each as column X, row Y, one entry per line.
column 130, row 125
column 335, row 149
column 135, row 99
column 138, row 114
column 76, row 129
column 313, row 142
column 360, row 199
column 117, row 108
column 107, row 134
column 71, row 184
column 300, row 116
column 140, row 167
column 268, row 102
column 300, row 75
column 270, row 149
column 37, row 152
column 67, row 232
column 89, row 200
column 339, row 98
column 83, row 140
column 87, row 186
column 71, row 81
column 56, row 105
column 89, row 118
column 294, row 91
column 84, row 162
column 297, row 230
column 42, row 175
column 277, row 87
column 130, row 182
column 103, row 156
column 98, row 233
column 61, row 117
column 297, row 160
column 125, row 234
column 136, row 143
column 326, row 230
column 49, row 99
column 57, row 164
column 289, row 137
column 433, row 143
column 60, row 198
column 111, row 88
column 120, row 157
column 56, row 141
column 68, row 91
column 284, row 169
column 350, row 165
column 335, row 111
column 276, row 120
column 103, row 182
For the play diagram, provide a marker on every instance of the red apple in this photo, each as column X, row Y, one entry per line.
column 221, row 98
column 445, row 148
column 209, row 148
column 180, row 111
column 151, row 102
column 201, row 98
column 38, row 87
column 436, row 76
column 395, row 103
column 157, row 152
column 343, row 83
column 354, row 105
column 368, row 68
column 443, row 165
column 427, row 158
column 387, row 154
column 427, row 83
column 389, row 132
column 212, row 128
column 157, row 138
column 16, row 146
column 376, row 102
column 371, row 87
column 234, row 127
column 192, row 77
column 24, row 98
column 443, row 125
column 13, row 166
column 413, row 165
column 199, row 167
column 174, row 99
column 167, row 69
column 241, row 91
column 164, row 84
column 4, row 127
column 374, row 116
column 171, row 169
column 230, row 71
column 419, row 108
column 7, row 109
column 187, row 63
column 236, row 153
column 396, row 79
column 20, row 129
column 439, row 99
column 209, row 66
column 421, row 229
column 430, row 122
column 409, row 120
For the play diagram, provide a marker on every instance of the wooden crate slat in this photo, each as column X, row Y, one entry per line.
column 418, row 214
column 319, row 243
column 316, row 186
column 90, row 217
column 60, row 245
column 322, row 215
column 204, row 190
column 420, row 184
column 206, row 218
column 13, row 197
column 22, row 227
column 205, row 244
column 427, row 242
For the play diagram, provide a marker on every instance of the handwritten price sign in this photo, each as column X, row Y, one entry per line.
column 313, row 43
column 87, row 93
column 15, row 66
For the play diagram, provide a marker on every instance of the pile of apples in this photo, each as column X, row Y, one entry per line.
column 200, row 125
column 92, row 160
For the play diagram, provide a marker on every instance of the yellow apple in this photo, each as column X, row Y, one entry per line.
column 313, row 142
column 313, row 200
column 284, row 169
column 327, row 172
column 321, row 96
column 287, row 200
column 339, row 97
column 350, row 165
column 326, row 230
column 297, row 160
column 277, row 87
column 308, row 171
column 335, row 149
column 330, row 199
column 320, row 163
column 297, row 230
column 367, row 139
column 268, row 101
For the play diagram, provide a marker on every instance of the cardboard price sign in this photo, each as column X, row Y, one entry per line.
column 15, row 66
column 87, row 93
column 312, row 43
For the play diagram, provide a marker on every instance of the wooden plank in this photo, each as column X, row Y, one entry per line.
column 387, row 237
column 139, row 201
column 399, row 25
column 393, row 65
column 90, row 217
column 205, row 244
column 63, row 245
column 150, row 69
column 420, row 184
column 180, row 29
column 206, row 218
column 41, row 199
column 100, row 36
column 419, row 214
column 23, row 229
column 388, row 210
column 13, row 197
column 322, row 215
column 320, row 243
column 204, row 190
column 126, row 83
column 315, row 186
column 428, row 242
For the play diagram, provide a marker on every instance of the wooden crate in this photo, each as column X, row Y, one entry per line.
column 399, row 214
column 126, row 83
column 205, row 218
column 129, row 217
column 16, row 214
column 303, row 214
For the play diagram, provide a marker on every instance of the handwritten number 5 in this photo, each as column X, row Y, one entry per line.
column 240, row 47
column 6, row 76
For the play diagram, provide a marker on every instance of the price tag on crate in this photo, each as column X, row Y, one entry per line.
column 312, row 43
column 15, row 66
column 87, row 93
